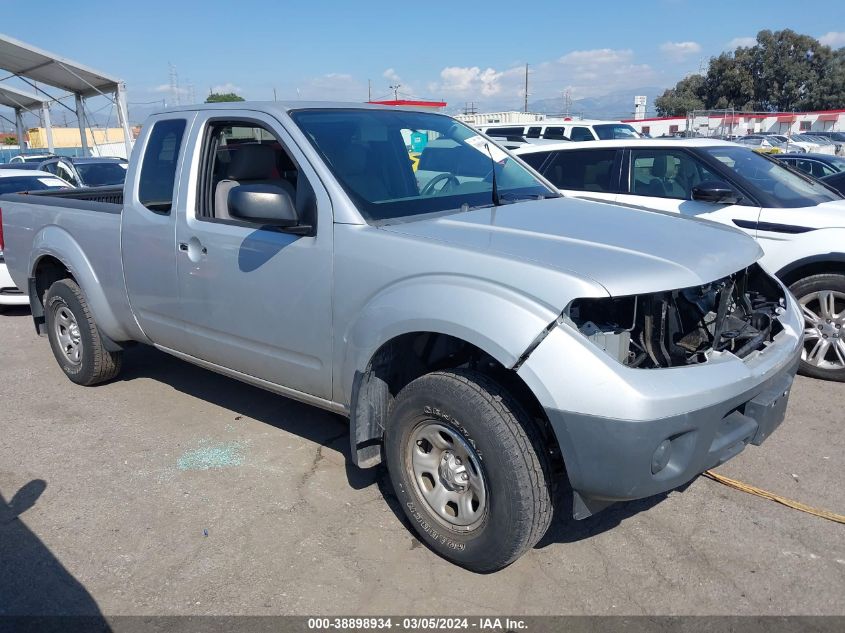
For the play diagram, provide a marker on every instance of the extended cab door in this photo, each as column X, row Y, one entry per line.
column 663, row 179
column 255, row 298
column 148, row 228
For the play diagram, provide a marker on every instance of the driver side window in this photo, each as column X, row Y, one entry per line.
column 246, row 153
column 666, row 174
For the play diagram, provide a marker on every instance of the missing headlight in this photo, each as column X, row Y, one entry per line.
column 738, row 313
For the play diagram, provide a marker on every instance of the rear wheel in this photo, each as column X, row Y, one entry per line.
column 74, row 337
column 822, row 300
column 469, row 467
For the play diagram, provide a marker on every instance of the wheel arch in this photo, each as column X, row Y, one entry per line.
column 826, row 263
column 57, row 255
column 405, row 357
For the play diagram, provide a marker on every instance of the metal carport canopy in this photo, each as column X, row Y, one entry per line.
column 14, row 98
column 32, row 65
column 19, row 101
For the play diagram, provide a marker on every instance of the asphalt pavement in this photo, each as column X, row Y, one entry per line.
column 173, row 490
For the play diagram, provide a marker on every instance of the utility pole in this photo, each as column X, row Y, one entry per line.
column 369, row 90
column 525, row 106
column 274, row 94
column 395, row 90
column 174, row 83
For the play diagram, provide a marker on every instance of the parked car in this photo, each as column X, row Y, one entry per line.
column 762, row 144
column 36, row 157
column 816, row 144
column 838, row 138
column 575, row 130
column 12, row 181
column 835, row 181
column 88, row 172
column 793, row 144
column 485, row 335
column 815, row 165
column 799, row 223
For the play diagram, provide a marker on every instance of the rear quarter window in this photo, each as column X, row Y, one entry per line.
column 158, row 167
column 583, row 170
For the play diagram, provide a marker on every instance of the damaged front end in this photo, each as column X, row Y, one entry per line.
column 737, row 314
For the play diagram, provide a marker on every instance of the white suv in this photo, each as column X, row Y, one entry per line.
column 561, row 130
column 799, row 222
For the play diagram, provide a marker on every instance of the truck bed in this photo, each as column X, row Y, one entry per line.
column 81, row 228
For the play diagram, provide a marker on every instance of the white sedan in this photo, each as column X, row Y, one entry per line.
column 799, row 223
column 15, row 181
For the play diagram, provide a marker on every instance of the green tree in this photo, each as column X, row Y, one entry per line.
column 686, row 96
column 783, row 71
column 217, row 97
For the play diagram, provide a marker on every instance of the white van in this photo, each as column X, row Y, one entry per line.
column 560, row 130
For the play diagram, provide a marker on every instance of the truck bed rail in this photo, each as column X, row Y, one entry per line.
column 112, row 195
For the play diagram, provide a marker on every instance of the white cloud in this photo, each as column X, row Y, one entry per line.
column 834, row 39
column 597, row 57
column 738, row 42
column 226, row 88
column 333, row 86
column 677, row 51
column 392, row 76
column 585, row 73
column 462, row 80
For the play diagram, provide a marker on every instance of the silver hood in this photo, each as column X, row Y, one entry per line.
column 628, row 251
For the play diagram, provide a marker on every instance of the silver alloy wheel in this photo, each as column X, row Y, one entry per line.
column 67, row 334
column 824, row 329
column 447, row 474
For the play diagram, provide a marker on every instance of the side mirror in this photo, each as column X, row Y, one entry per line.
column 716, row 191
column 263, row 204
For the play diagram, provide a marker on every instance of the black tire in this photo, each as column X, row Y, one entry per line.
column 95, row 363
column 513, row 462
column 833, row 331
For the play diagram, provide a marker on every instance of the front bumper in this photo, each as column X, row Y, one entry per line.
column 616, row 460
column 610, row 420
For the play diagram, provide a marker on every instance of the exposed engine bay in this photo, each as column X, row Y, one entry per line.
column 738, row 313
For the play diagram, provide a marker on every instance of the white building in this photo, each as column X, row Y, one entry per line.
column 744, row 123
column 500, row 117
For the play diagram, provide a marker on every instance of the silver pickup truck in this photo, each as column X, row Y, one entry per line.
column 487, row 338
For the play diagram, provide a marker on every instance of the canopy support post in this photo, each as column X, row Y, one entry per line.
column 80, row 117
column 123, row 117
column 48, row 126
column 20, row 129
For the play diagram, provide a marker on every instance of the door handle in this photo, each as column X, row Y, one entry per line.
column 183, row 246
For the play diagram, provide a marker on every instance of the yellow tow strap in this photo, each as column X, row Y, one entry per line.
column 733, row 483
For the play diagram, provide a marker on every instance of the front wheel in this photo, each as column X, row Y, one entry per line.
column 469, row 468
column 822, row 300
column 74, row 337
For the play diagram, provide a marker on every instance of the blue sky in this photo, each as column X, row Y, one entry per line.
column 328, row 50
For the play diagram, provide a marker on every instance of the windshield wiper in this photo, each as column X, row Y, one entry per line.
column 496, row 201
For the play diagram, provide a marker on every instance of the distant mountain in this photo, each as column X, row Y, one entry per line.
column 615, row 105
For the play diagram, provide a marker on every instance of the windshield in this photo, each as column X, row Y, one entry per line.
column 16, row 184
column 102, row 174
column 610, row 131
column 396, row 163
column 787, row 187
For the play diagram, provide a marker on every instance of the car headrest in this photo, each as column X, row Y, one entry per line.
column 252, row 162
column 659, row 168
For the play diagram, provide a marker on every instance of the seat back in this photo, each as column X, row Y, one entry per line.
column 248, row 165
